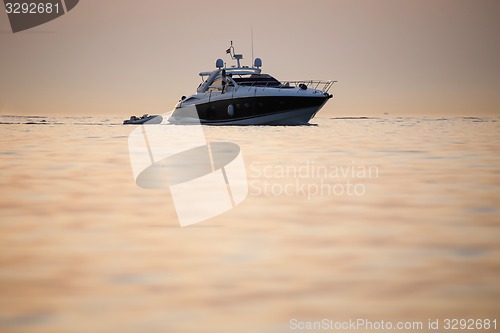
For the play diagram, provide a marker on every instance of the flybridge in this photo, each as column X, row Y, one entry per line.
column 238, row 69
column 234, row 70
column 251, row 76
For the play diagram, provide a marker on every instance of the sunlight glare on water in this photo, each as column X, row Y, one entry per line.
column 382, row 218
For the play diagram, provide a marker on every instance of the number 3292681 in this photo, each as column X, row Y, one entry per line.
column 31, row 8
column 470, row 324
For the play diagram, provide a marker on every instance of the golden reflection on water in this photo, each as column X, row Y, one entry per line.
column 83, row 249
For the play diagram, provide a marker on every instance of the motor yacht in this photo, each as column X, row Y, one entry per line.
column 242, row 95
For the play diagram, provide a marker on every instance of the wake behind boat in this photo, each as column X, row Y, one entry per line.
column 242, row 95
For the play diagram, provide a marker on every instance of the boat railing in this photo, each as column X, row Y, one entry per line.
column 321, row 85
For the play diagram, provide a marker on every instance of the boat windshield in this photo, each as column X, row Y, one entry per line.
column 216, row 85
column 259, row 80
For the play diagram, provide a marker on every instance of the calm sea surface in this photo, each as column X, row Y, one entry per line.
column 393, row 219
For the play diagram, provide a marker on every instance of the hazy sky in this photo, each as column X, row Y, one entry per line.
column 436, row 57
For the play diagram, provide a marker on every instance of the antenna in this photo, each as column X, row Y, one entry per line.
column 251, row 32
